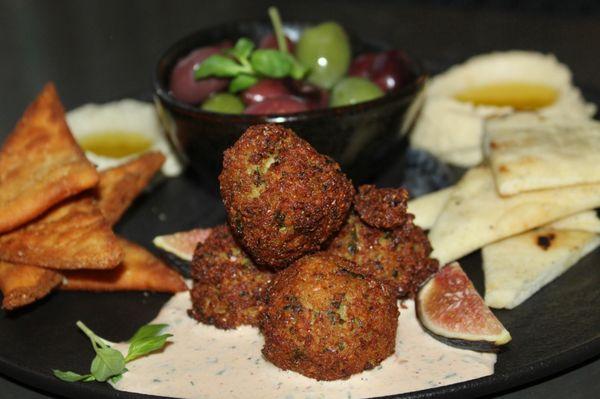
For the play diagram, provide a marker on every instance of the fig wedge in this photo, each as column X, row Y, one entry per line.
column 182, row 244
column 451, row 310
column 178, row 248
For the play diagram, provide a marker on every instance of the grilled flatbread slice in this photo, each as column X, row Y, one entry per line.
column 120, row 185
column 24, row 284
column 426, row 208
column 139, row 271
column 73, row 235
column 475, row 215
column 528, row 154
column 517, row 267
column 40, row 163
column 583, row 221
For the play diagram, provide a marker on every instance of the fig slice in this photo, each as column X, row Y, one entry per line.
column 182, row 244
column 451, row 310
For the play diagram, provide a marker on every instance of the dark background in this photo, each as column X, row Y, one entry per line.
column 98, row 51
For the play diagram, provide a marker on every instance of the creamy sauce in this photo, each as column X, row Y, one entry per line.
column 204, row 362
column 115, row 144
column 518, row 95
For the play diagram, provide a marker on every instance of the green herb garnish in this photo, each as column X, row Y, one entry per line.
column 245, row 65
column 109, row 363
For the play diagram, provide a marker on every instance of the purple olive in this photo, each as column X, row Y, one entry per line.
column 315, row 96
column 277, row 106
column 185, row 87
column 362, row 65
column 387, row 69
column 264, row 90
column 270, row 41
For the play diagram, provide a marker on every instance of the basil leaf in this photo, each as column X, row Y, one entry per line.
column 70, row 376
column 117, row 377
column 242, row 49
column 144, row 346
column 298, row 70
column 149, row 330
column 271, row 63
column 242, row 82
column 107, row 363
column 219, row 66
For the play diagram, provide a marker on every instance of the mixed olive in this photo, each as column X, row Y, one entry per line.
column 282, row 76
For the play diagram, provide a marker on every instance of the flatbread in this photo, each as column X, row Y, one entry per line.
column 40, row 163
column 426, row 208
column 475, row 215
column 519, row 266
column 24, row 284
column 139, row 271
column 73, row 235
column 120, row 185
column 536, row 155
column 582, row 221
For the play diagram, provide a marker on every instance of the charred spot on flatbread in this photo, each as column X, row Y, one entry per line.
column 544, row 241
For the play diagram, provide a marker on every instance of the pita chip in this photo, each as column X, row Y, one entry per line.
column 73, row 235
column 582, row 221
column 139, row 271
column 519, row 266
column 475, row 215
column 426, row 208
column 24, row 284
column 40, row 163
column 527, row 153
column 120, row 185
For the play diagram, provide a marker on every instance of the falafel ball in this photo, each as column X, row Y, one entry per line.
column 326, row 322
column 398, row 257
column 384, row 208
column 283, row 198
column 228, row 288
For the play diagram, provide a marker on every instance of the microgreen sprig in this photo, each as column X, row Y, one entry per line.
column 109, row 363
column 245, row 65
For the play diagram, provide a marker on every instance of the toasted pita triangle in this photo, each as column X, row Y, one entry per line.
column 139, row 271
column 519, row 266
column 40, row 163
column 73, row 235
column 120, row 185
column 24, row 284
column 475, row 215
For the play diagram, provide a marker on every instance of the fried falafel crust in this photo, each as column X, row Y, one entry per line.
column 283, row 198
column 384, row 208
column 228, row 288
column 398, row 257
column 326, row 322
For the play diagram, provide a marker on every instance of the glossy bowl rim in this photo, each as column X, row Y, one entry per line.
column 405, row 93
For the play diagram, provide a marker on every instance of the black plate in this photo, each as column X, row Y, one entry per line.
column 552, row 331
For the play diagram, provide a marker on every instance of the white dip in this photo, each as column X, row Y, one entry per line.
column 205, row 362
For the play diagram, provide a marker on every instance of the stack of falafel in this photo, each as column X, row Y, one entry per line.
column 315, row 265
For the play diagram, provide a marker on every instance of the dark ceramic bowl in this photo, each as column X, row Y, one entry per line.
column 364, row 138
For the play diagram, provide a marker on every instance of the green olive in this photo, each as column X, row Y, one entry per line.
column 224, row 103
column 354, row 90
column 325, row 51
